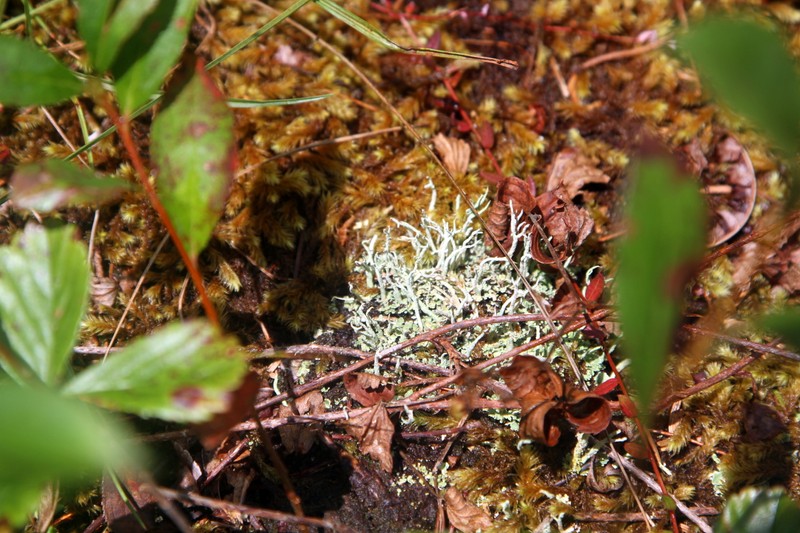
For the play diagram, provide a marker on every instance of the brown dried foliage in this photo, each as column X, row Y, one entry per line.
column 545, row 400
column 374, row 431
column 368, row 389
column 464, row 515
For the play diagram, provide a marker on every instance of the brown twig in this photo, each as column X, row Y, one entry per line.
column 214, row 503
column 622, row 54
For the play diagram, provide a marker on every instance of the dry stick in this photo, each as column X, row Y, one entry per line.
column 425, row 146
column 750, row 345
column 617, row 459
column 634, row 517
column 283, row 473
column 386, row 353
column 706, row 383
column 647, row 480
column 623, row 54
column 124, row 129
column 139, row 284
column 230, row 456
column 267, row 514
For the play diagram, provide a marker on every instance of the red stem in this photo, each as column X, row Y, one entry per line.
column 124, row 129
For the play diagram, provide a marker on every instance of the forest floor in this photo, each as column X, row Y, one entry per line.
column 378, row 312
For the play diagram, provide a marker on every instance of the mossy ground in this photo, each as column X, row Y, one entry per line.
column 294, row 225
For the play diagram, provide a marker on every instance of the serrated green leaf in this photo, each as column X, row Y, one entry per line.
column 666, row 236
column 145, row 59
column 181, row 372
column 44, row 290
column 759, row 510
column 193, row 146
column 748, row 66
column 54, row 183
column 786, row 324
column 105, row 32
column 48, row 437
column 31, row 76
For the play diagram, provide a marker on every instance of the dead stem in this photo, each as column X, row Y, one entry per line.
column 622, row 54
column 246, row 510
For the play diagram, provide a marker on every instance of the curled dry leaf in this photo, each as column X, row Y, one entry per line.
column 300, row 438
column 464, row 515
column 454, row 154
column 512, row 194
column 545, row 399
column 368, row 389
column 729, row 180
column 374, row 431
column 565, row 223
column 573, row 171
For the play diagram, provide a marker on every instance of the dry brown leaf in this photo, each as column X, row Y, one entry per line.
column 368, row 389
column 374, row 431
column 567, row 225
column 464, row 515
column 240, row 407
column 512, row 193
column 573, row 171
column 296, row 437
column 454, row 153
column 545, row 400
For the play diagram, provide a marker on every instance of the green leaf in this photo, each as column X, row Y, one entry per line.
column 666, row 236
column 104, row 35
column 146, row 58
column 31, row 76
column 48, row 437
column 785, row 324
column 183, row 372
column 44, row 290
column 193, row 146
column 758, row 510
column 53, row 183
column 748, row 66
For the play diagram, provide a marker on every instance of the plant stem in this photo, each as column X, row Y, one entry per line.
column 35, row 11
column 124, row 129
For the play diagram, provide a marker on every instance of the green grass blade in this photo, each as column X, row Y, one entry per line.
column 374, row 34
column 239, row 103
column 261, row 31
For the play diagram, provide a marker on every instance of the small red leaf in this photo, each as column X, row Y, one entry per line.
column 606, row 387
column 595, row 288
column 635, row 450
column 486, row 135
column 627, row 406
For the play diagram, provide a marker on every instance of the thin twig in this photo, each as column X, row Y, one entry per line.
column 213, row 503
column 623, row 54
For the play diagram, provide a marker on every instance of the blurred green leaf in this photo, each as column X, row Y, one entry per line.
column 785, row 324
column 193, row 146
column 145, row 59
column 48, row 437
column 54, row 183
column 759, row 510
column 44, row 290
column 31, row 76
column 182, row 372
column 666, row 236
column 104, row 32
column 748, row 66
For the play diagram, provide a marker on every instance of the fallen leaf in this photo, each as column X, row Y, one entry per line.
column 464, row 515
column 299, row 438
column 545, row 399
column 573, row 171
column 761, row 423
column 565, row 223
column 374, row 431
column 513, row 194
column 368, row 389
column 454, row 154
